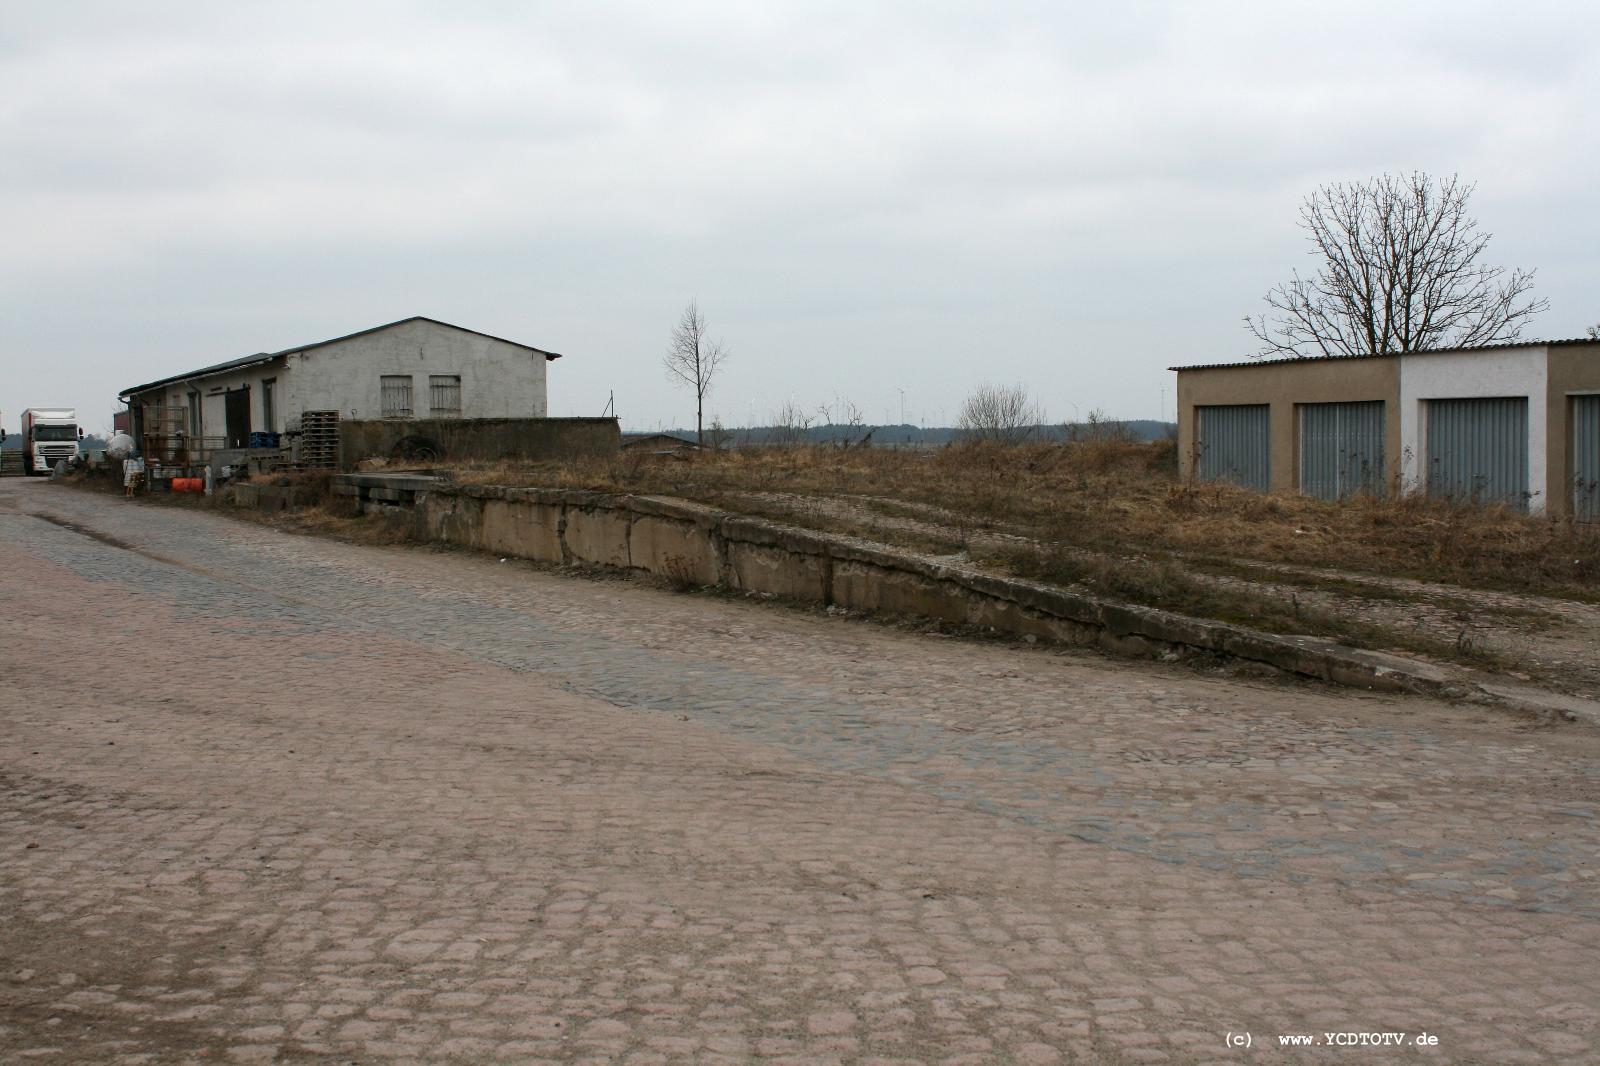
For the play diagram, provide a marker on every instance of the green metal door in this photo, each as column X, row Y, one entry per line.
column 1586, row 458
column 1478, row 450
column 1341, row 449
column 1233, row 444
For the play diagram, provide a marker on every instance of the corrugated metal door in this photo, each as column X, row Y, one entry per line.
column 1234, row 445
column 1341, row 449
column 1478, row 450
column 1586, row 458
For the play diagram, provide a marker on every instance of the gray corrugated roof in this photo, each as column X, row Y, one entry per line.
column 265, row 357
column 1386, row 355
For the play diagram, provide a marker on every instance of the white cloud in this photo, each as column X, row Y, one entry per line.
column 859, row 194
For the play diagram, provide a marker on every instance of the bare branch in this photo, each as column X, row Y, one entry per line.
column 1399, row 271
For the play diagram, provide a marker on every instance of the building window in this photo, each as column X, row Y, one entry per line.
column 194, row 414
column 396, row 395
column 269, row 388
column 444, row 395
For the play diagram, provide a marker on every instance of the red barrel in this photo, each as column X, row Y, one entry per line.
column 188, row 484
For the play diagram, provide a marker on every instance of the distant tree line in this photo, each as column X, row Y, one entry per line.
column 891, row 435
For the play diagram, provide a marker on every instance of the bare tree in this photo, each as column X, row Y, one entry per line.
column 718, row 436
column 1593, row 332
column 1400, row 272
column 1098, row 428
column 844, row 422
column 790, row 425
column 693, row 359
column 1001, row 414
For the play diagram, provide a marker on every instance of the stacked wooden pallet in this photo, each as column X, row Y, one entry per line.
column 11, row 462
column 319, row 440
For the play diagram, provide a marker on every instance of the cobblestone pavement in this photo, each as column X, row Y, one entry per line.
column 264, row 796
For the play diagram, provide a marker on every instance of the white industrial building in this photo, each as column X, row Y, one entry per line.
column 415, row 368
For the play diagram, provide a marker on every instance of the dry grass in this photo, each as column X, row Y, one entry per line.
column 1125, row 498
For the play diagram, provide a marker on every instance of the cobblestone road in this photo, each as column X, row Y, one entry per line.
column 270, row 797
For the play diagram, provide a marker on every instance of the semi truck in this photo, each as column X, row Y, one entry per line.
column 49, row 435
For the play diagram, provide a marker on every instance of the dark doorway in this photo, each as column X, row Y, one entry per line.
column 237, row 410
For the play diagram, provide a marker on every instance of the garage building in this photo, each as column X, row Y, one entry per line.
column 1515, row 424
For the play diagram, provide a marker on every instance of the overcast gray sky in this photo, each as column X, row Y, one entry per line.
column 865, row 198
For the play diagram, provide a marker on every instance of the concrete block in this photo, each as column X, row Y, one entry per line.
column 777, row 571
column 520, row 529
column 273, row 498
column 866, row 587
column 453, row 519
column 682, row 552
column 598, row 535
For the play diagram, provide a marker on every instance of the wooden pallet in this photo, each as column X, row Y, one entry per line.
column 319, row 440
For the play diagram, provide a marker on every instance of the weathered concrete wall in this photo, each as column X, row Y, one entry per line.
column 692, row 544
column 265, row 496
column 485, row 439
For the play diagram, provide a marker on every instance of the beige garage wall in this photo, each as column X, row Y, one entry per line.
column 1574, row 370
column 1282, row 385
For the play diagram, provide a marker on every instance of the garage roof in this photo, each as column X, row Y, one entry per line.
column 1386, row 355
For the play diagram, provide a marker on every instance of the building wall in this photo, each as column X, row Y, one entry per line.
column 453, row 440
column 498, row 380
column 213, row 398
column 1574, row 371
column 1474, row 375
column 1282, row 386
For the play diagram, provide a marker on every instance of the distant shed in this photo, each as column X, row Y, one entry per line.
column 657, row 442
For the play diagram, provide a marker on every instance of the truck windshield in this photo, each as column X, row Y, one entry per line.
column 55, row 432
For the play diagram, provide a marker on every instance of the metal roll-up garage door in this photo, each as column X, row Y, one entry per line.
column 1478, row 450
column 1341, row 449
column 1233, row 444
column 1586, row 458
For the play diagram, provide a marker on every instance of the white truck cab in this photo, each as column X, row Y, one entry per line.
column 49, row 435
